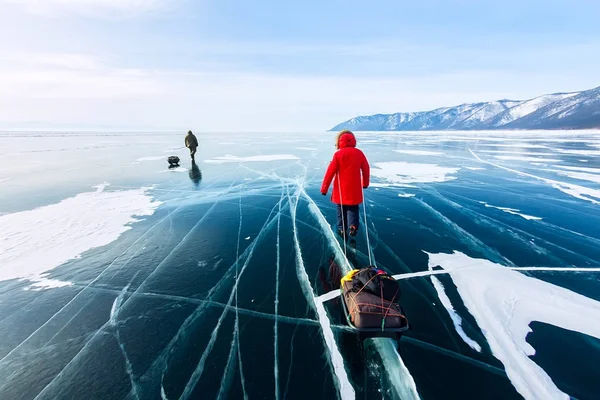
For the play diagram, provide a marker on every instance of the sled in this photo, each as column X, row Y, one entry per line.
column 370, row 306
column 173, row 161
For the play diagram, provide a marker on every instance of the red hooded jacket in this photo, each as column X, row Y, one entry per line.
column 346, row 167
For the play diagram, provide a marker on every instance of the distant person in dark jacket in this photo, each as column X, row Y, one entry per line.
column 191, row 143
column 349, row 170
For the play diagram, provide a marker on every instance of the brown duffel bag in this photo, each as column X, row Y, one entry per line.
column 369, row 311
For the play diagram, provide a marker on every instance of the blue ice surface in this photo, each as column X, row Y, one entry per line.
column 207, row 297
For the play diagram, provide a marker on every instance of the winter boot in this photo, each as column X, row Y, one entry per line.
column 352, row 230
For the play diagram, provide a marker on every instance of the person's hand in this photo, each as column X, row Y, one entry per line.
column 365, row 187
column 324, row 193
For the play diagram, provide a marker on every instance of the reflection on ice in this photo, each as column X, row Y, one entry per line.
column 195, row 174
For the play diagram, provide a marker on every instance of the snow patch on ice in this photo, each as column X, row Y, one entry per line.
column 513, row 211
column 41, row 239
column 475, row 168
column 580, row 152
column 516, row 152
column 419, row 152
column 306, row 148
column 399, row 172
column 580, row 192
column 582, row 169
column 406, row 195
column 4, row 180
column 139, row 160
column 583, row 176
column 42, row 282
column 504, row 302
column 524, row 158
column 178, row 169
column 583, row 160
column 517, row 145
column 263, row 158
column 378, row 185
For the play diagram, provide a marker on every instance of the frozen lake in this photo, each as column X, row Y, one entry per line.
column 122, row 278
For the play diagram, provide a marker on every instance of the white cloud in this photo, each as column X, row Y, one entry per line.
column 49, row 60
column 87, row 89
column 77, row 76
column 102, row 8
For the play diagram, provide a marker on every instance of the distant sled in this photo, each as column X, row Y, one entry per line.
column 173, row 161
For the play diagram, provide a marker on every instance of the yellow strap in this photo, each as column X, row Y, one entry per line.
column 349, row 276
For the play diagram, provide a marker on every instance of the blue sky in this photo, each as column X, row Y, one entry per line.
column 224, row 65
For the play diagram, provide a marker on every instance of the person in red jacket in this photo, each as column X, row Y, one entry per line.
column 349, row 170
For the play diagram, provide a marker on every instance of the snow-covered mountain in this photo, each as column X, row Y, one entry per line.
column 576, row 110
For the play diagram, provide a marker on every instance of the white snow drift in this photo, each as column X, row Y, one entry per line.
column 35, row 241
column 513, row 211
column 504, row 302
column 398, row 173
column 419, row 152
column 234, row 159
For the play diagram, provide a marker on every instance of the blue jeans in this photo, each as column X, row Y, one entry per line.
column 346, row 217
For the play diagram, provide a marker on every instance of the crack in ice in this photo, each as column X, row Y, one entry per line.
column 195, row 377
column 88, row 285
column 88, row 343
column 276, row 327
column 335, row 358
column 114, row 312
column 237, row 318
column 577, row 191
column 394, row 366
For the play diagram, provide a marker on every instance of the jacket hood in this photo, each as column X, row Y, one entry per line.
column 346, row 139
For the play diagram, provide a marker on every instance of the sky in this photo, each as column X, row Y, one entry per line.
column 224, row 65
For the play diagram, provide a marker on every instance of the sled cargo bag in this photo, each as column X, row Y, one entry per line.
column 369, row 311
